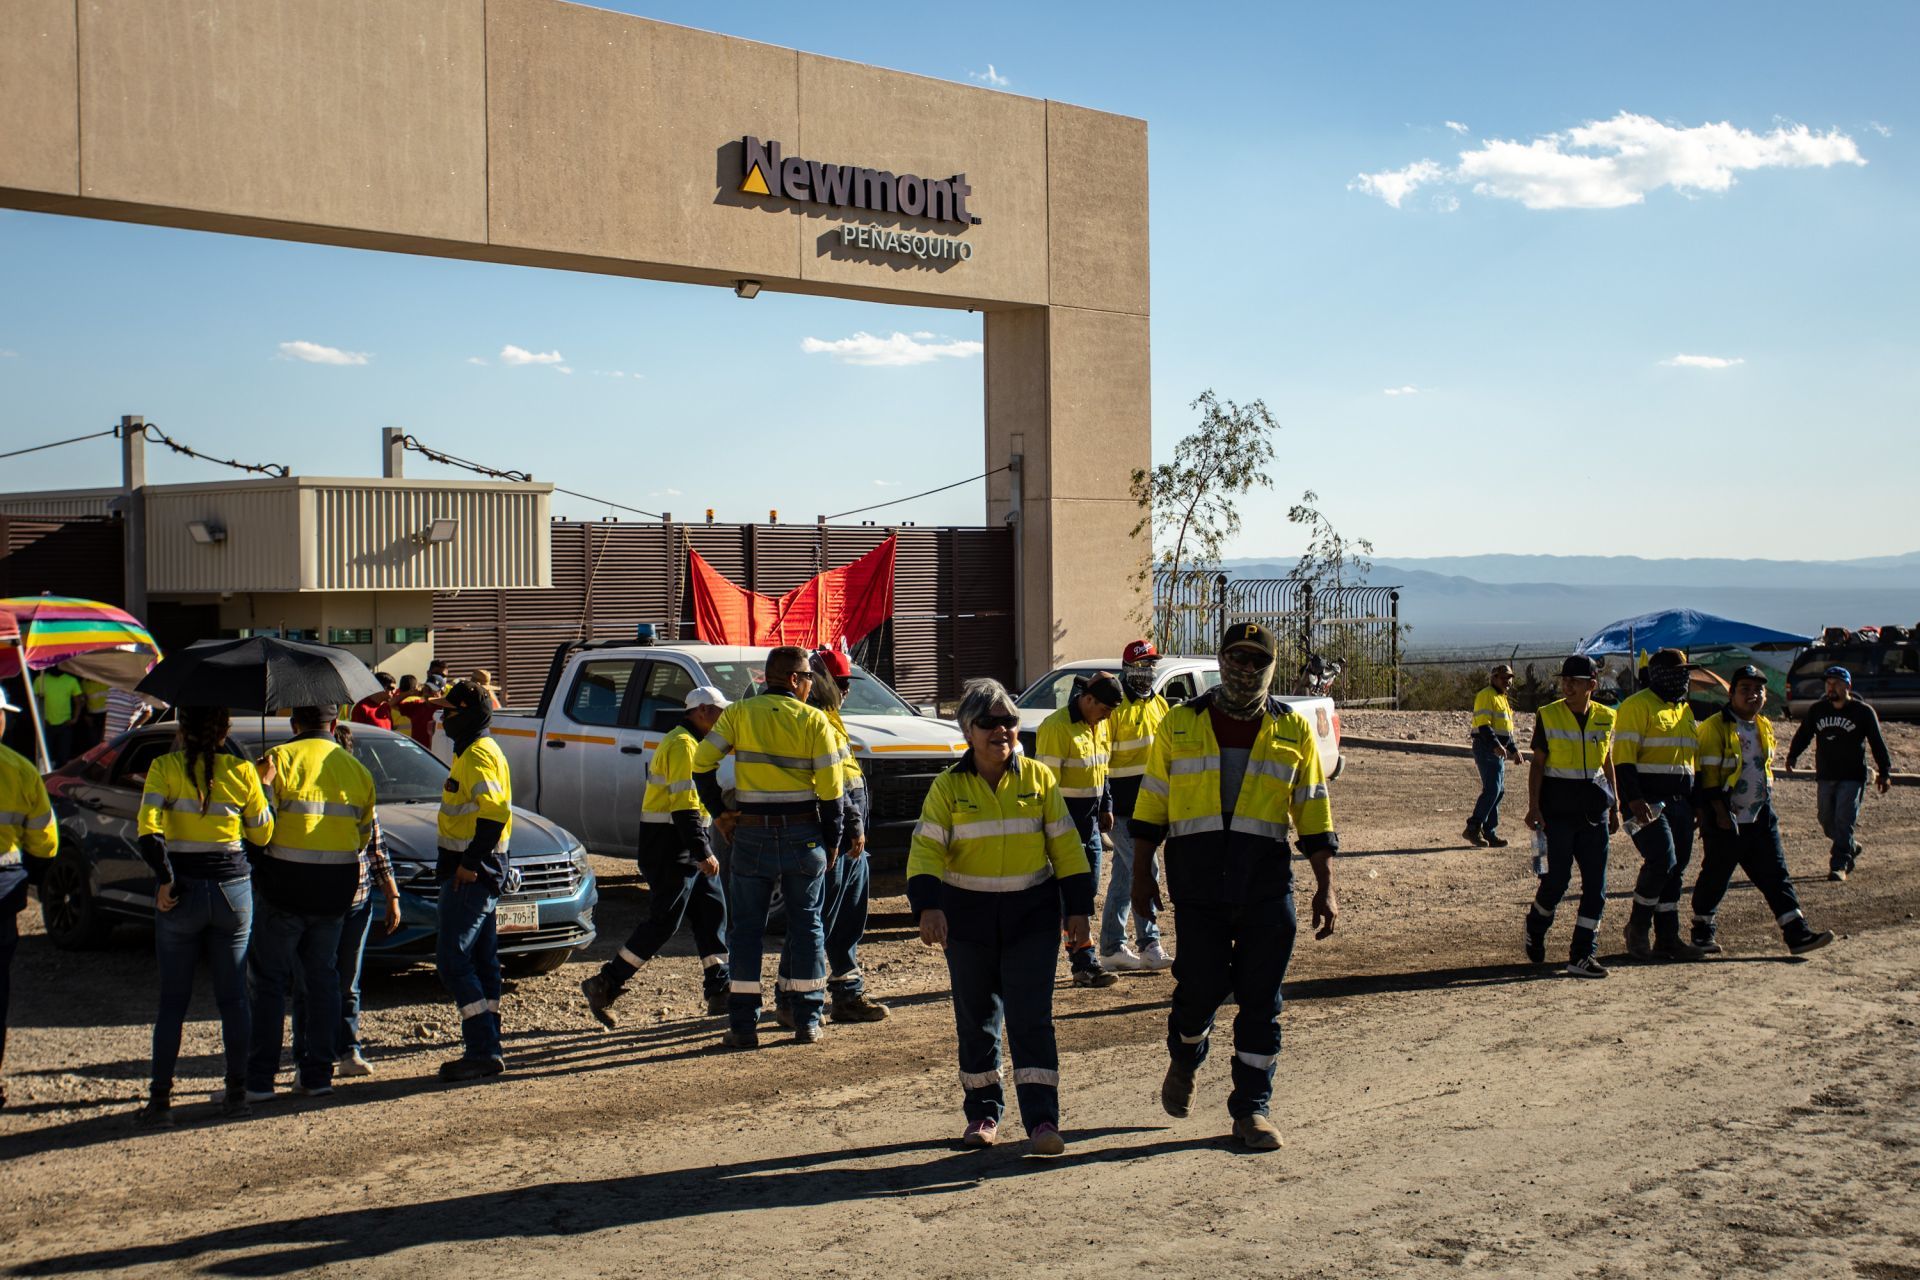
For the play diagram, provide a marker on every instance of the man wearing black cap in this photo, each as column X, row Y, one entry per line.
column 1075, row 744
column 1736, row 779
column 1842, row 728
column 1571, row 796
column 1653, row 754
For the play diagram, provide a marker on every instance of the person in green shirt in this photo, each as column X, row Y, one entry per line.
column 60, row 697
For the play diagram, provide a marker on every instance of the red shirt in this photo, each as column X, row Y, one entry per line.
column 373, row 710
column 420, row 713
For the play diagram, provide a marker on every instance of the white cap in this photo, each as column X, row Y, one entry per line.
column 706, row 696
column 6, row 703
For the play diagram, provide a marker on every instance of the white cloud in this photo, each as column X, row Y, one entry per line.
column 5, row 354
column 1456, row 126
column 1702, row 362
column 561, row 368
column 886, row 484
column 924, row 333
column 1401, row 391
column 1610, row 164
column 1879, row 128
column 1446, row 203
column 511, row 354
column 314, row 353
column 476, row 360
column 665, row 493
column 894, row 350
column 989, row 77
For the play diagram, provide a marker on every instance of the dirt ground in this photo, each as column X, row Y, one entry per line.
column 1447, row 1106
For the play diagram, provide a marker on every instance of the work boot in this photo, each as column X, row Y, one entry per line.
column 1257, row 1133
column 1705, row 942
column 1673, row 947
column 809, row 1033
column 737, row 1039
column 234, row 1104
column 1837, row 874
column 157, row 1114
column 857, row 1008
column 1805, row 939
column 1536, row 948
column 716, row 1004
column 600, row 995
column 1639, row 943
column 1045, row 1140
column 463, row 1069
column 1176, row 1091
column 1473, row 837
column 355, row 1065
column 715, row 983
column 1496, row 842
column 1087, row 971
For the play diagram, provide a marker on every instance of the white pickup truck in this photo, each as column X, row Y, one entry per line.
column 580, row 756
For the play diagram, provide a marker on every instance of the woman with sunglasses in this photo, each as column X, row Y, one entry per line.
column 994, row 861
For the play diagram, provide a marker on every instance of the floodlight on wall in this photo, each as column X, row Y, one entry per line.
column 205, row 534
column 441, row 530
column 746, row 288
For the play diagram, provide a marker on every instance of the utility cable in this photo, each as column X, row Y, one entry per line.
column 928, row 493
column 517, row 477
column 55, row 444
column 154, row 435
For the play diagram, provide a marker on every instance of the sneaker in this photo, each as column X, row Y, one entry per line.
column 1088, row 973
column 1473, row 837
column 158, row 1113
column 1705, row 944
column 1046, row 1141
column 1640, row 941
column 1257, row 1133
column 810, row 1033
column 312, row 1090
column 1674, row 948
column 219, row 1096
column 354, row 1066
column 1176, row 1090
column 1590, row 967
column 1497, row 842
column 858, row 1009
column 600, row 996
column 462, row 1069
column 237, row 1103
column 736, row 1039
column 1536, row 948
column 1154, row 957
column 1125, row 960
column 1837, row 874
column 1810, row 941
column 981, row 1133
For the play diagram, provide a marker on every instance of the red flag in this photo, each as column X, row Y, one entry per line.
column 838, row 607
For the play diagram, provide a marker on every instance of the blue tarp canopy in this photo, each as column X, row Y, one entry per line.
column 1687, row 629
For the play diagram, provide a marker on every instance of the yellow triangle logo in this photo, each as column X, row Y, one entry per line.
column 756, row 183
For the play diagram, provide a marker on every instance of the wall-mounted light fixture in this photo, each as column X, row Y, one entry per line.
column 204, row 533
column 441, row 530
column 746, row 288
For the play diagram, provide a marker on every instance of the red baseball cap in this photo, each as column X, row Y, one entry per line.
column 1139, row 651
column 834, row 663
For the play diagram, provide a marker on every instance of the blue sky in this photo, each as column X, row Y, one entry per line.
column 1534, row 349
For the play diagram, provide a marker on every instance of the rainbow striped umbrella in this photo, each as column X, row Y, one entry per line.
column 95, row 641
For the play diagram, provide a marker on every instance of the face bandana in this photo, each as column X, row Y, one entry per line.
column 1139, row 683
column 1242, row 693
column 465, row 724
column 1670, row 683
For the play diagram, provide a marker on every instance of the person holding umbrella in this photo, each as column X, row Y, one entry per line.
column 476, row 822
column 200, row 812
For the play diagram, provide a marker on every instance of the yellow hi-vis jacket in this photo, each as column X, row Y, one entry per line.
column 670, row 787
column 96, row 696
column 1575, row 754
column 1721, row 765
column 1131, row 728
column 478, row 786
column 784, row 753
column 1077, row 752
column 235, row 808
column 322, row 803
column 27, row 829
column 1658, row 741
column 851, row 779
column 1492, row 710
column 1284, row 787
column 1002, row 839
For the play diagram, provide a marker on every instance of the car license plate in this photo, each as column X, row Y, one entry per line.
column 518, row 917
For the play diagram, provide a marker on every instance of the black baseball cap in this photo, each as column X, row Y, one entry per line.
column 1748, row 672
column 1250, row 634
column 1580, row 667
column 1104, row 688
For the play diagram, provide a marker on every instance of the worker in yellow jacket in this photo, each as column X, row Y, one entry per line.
column 29, row 839
column 474, row 871
column 1654, row 745
column 995, row 860
column 1574, row 800
column 1076, row 744
column 1493, row 748
column 1738, row 828
column 1132, row 727
column 1233, row 774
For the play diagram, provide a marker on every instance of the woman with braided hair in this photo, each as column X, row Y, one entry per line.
column 200, row 809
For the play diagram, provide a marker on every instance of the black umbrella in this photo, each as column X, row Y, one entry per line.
column 260, row 674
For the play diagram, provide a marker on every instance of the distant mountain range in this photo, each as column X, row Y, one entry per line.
column 1462, row 601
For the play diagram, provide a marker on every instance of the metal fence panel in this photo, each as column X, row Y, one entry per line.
column 1357, row 626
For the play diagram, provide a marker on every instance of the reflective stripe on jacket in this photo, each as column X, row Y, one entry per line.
column 1576, row 754
column 1284, row 786
column 996, row 839
column 478, row 786
column 322, row 802
column 234, row 807
column 1076, row 752
column 27, row 828
column 1130, row 731
column 670, row 787
column 1720, row 761
column 1492, row 710
column 784, row 752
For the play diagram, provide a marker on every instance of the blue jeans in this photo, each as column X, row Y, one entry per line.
column 212, row 920
column 468, row 955
column 1839, row 811
column 349, row 961
column 1572, row 842
column 290, row 948
column 1491, row 761
column 794, row 859
column 1239, row 950
column 1113, row 916
column 1000, row 962
column 843, row 921
column 1666, row 846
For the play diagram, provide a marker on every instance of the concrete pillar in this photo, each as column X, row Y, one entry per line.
column 393, row 453
column 133, row 485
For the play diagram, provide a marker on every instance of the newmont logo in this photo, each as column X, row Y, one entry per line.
column 767, row 173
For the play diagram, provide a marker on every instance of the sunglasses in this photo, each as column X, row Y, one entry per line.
column 1247, row 659
column 997, row 722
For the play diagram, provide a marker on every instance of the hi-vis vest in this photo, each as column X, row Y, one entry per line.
column 851, row 779
column 784, row 752
column 1131, row 728
column 234, row 808
column 996, row 839
column 1575, row 754
column 1492, row 710
column 26, row 816
column 670, row 780
column 1721, row 764
column 322, row 803
column 478, row 786
column 1656, row 736
column 1075, row 751
column 1284, row 783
